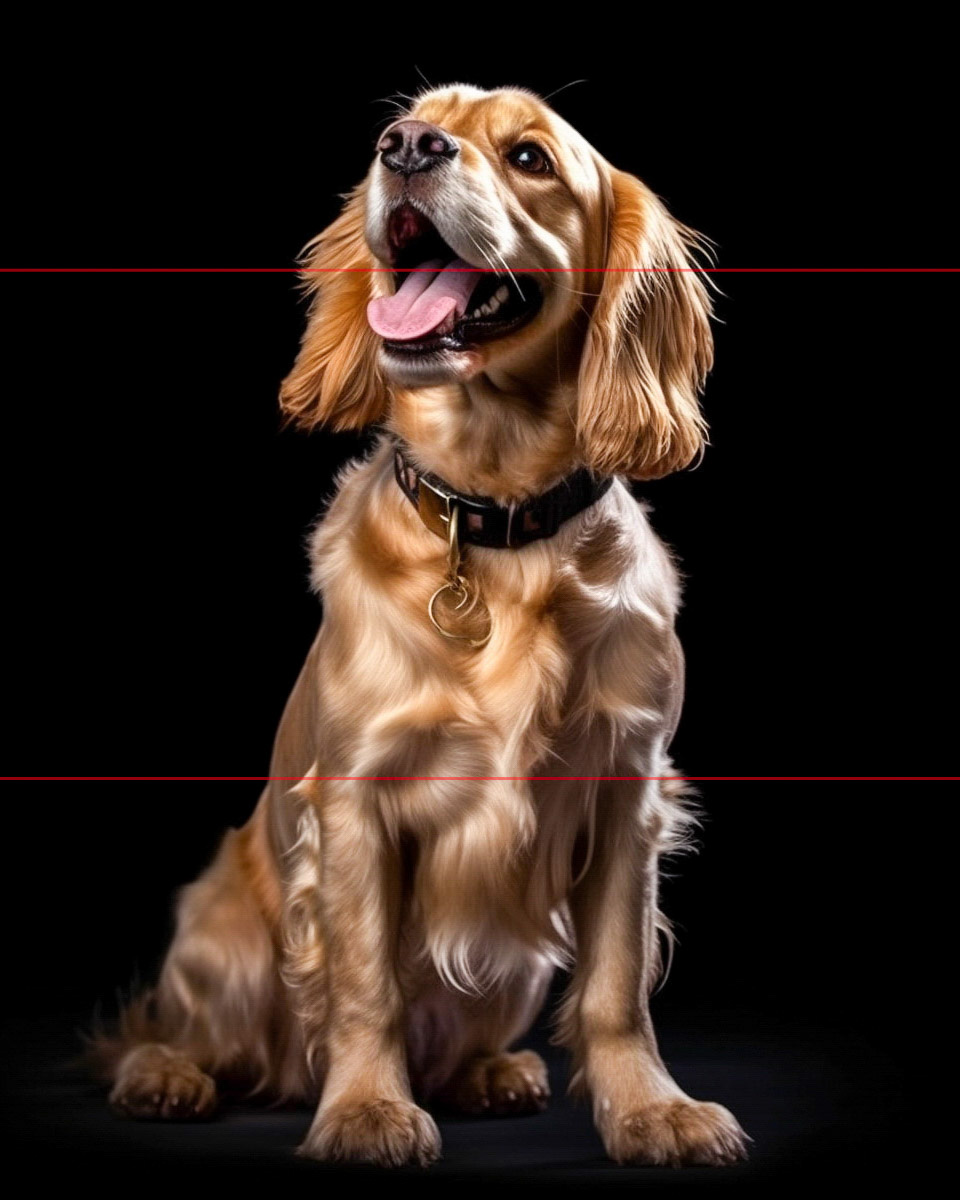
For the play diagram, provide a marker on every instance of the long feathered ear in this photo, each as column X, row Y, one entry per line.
column 648, row 346
column 335, row 380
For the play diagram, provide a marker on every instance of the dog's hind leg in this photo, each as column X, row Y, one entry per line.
column 219, row 1010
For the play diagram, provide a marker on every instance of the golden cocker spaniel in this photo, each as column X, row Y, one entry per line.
column 526, row 325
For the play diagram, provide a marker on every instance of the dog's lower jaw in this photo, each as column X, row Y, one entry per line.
column 409, row 370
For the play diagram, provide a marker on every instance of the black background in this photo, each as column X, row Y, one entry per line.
column 156, row 602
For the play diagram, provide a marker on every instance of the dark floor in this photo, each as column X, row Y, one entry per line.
column 821, row 1104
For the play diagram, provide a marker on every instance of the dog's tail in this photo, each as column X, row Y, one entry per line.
column 106, row 1042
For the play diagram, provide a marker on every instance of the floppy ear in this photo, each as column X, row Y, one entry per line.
column 335, row 380
column 648, row 346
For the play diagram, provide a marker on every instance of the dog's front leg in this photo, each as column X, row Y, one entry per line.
column 366, row 1112
column 641, row 1113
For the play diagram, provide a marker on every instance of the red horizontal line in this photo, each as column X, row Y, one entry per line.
column 477, row 778
column 476, row 270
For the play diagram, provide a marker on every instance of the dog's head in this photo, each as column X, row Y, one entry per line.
column 554, row 302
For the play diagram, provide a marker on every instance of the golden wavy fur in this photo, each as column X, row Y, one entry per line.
column 370, row 938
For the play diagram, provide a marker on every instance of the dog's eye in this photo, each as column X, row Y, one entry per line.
column 530, row 158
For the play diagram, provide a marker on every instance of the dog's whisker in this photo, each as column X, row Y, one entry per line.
column 557, row 91
column 506, row 270
column 483, row 253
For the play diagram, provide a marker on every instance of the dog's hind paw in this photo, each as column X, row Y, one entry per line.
column 155, row 1083
column 501, row 1085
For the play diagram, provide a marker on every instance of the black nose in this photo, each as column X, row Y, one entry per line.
column 411, row 146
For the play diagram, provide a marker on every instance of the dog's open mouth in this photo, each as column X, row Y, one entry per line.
column 442, row 302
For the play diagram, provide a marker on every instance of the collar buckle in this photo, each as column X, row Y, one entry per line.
column 434, row 508
column 480, row 521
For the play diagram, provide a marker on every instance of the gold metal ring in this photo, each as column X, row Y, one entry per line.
column 456, row 637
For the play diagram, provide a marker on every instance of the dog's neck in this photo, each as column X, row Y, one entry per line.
column 491, row 437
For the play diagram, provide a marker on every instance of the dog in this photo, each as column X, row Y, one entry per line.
column 470, row 783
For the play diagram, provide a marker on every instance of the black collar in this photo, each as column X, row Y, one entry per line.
column 483, row 522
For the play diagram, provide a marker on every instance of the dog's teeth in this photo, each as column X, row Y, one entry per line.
column 491, row 306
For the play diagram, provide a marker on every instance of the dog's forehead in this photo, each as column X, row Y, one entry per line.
column 500, row 117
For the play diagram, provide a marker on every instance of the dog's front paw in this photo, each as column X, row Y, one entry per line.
column 675, row 1133
column 386, row 1133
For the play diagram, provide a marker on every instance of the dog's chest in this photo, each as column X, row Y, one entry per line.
column 570, row 667
column 576, row 633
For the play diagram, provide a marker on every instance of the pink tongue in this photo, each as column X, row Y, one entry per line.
column 423, row 302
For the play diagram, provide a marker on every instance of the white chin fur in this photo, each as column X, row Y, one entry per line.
column 410, row 371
